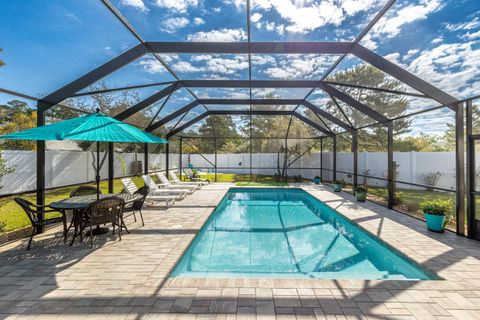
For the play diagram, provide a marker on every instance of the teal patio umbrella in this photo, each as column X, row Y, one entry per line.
column 96, row 127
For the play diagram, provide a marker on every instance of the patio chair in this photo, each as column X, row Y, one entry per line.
column 176, row 181
column 155, row 189
column 84, row 191
column 137, row 205
column 165, row 183
column 103, row 211
column 131, row 188
column 189, row 173
column 32, row 211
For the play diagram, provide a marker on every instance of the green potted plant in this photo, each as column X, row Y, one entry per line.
column 361, row 194
column 435, row 213
column 317, row 180
column 338, row 185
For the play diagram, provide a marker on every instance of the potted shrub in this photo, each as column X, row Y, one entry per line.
column 338, row 185
column 317, row 180
column 435, row 213
column 361, row 194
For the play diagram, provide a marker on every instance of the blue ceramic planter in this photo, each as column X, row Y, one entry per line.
column 435, row 222
column 337, row 187
column 316, row 180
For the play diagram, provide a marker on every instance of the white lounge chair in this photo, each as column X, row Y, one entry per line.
column 164, row 182
column 155, row 189
column 131, row 188
column 176, row 181
column 189, row 174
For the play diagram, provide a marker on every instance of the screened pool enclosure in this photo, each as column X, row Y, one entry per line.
column 292, row 107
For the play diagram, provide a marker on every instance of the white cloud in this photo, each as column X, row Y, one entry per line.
column 469, row 25
column 300, row 66
column 391, row 25
column 198, row 21
column 313, row 15
column 138, row 4
column 255, row 17
column 177, row 5
column 229, row 35
column 472, row 35
column 211, row 66
column 151, row 65
column 171, row 25
column 454, row 68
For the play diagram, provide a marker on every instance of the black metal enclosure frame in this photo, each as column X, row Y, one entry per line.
column 343, row 49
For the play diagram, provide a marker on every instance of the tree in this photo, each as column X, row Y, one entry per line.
column 2, row 63
column 8, row 110
column 221, row 126
column 389, row 105
column 20, row 121
column 449, row 136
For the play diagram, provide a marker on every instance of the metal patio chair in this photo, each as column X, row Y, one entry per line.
column 33, row 210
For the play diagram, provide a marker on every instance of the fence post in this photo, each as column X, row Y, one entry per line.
column 40, row 166
column 110, row 167
column 390, row 166
column 460, row 168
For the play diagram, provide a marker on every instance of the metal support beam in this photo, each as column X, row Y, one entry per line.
column 146, row 165
column 404, row 76
column 312, row 123
column 111, row 167
column 253, row 47
column 247, row 112
column 321, row 160
column 460, row 168
column 172, row 116
column 40, row 166
column 93, row 76
column 216, row 163
column 167, row 158
column 188, row 124
column 252, row 101
column 327, row 116
column 470, row 172
column 148, row 101
column 390, row 167
column 355, row 159
column 180, row 160
column 334, row 151
column 354, row 103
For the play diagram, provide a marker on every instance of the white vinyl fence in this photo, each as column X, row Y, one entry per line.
column 73, row 167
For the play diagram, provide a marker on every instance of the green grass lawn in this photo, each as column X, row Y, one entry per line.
column 12, row 217
column 262, row 184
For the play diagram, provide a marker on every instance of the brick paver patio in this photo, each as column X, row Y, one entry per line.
column 128, row 279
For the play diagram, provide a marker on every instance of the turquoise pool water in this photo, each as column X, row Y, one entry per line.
column 288, row 233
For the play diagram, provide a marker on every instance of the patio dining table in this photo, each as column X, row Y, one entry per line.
column 80, row 203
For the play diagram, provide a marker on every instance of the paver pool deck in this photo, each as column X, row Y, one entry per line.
column 128, row 279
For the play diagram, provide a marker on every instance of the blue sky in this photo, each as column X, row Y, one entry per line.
column 49, row 43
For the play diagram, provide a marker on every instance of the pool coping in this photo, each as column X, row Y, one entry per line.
column 449, row 276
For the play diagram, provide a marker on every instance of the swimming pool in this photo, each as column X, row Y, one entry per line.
column 283, row 233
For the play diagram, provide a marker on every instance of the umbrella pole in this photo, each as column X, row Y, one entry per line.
column 97, row 177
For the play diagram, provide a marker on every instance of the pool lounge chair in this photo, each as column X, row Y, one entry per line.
column 176, row 181
column 155, row 189
column 164, row 182
column 131, row 188
column 189, row 174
